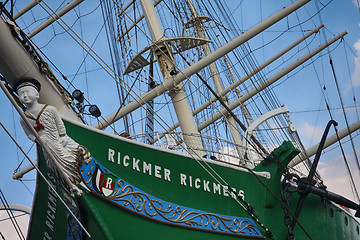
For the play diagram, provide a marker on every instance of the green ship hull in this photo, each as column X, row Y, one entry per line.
column 133, row 190
column 175, row 186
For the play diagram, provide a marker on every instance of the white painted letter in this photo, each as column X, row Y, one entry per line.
column 111, row 154
column 49, row 225
column 136, row 164
column 197, row 183
column 233, row 193
column 147, row 168
column 108, row 183
column 226, row 191
column 125, row 159
column 182, row 179
column 217, row 188
column 206, row 186
column 157, row 171
column 47, row 236
column 119, row 158
column 242, row 194
column 167, row 174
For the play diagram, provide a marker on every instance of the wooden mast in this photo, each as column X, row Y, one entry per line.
column 168, row 69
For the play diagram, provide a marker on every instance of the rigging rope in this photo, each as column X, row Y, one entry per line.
column 353, row 186
column 351, row 80
column 351, row 139
column 92, row 51
column 11, row 214
column 20, row 215
column 206, row 167
column 251, row 63
column 180, row 71
column 47, row 182
column 114, row 52
column 97, row 58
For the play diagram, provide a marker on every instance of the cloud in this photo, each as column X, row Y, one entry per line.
column 336, row 177
column 309, row 134
column 355, row 77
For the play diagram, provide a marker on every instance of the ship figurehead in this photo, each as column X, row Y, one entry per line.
column 43, row 124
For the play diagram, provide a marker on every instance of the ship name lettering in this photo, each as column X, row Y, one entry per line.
column 226, row 191
column 208, row 186
column 47, row 236
column 139, row 166
column 216, row 188
column 51, row 207
column 147, row 168
column 135, row 164
column 197, row 181
column 126, row 158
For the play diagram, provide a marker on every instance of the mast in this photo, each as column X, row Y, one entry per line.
column 168, row 70
column 258, row 69
column 268, row 82
column 215, row 75
column 16, row 62
column 249, row 75
column 136, row 21
column 149, row 123
column 55, row 17
column 237, row 91
column 171, row 82
column 28, row 7
column 329, row 141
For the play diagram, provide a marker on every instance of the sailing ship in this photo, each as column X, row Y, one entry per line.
column 195, row 142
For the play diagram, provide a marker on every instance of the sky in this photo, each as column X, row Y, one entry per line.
column 304, row 107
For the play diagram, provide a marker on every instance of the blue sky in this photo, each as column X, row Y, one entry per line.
column 307, row 108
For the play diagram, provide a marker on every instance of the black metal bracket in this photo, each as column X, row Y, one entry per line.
column 308, row 181
column 330, row 196
column 308, row 185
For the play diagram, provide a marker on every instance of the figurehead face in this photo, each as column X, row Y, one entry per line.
column 28, row 90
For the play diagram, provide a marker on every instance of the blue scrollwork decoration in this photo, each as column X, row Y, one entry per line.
column 103, row 182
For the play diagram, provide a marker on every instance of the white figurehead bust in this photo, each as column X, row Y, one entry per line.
column 47, row 122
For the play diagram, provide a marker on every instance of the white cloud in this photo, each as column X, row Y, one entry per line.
column 355, row 77
column 309, row 134
column 336, row 177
